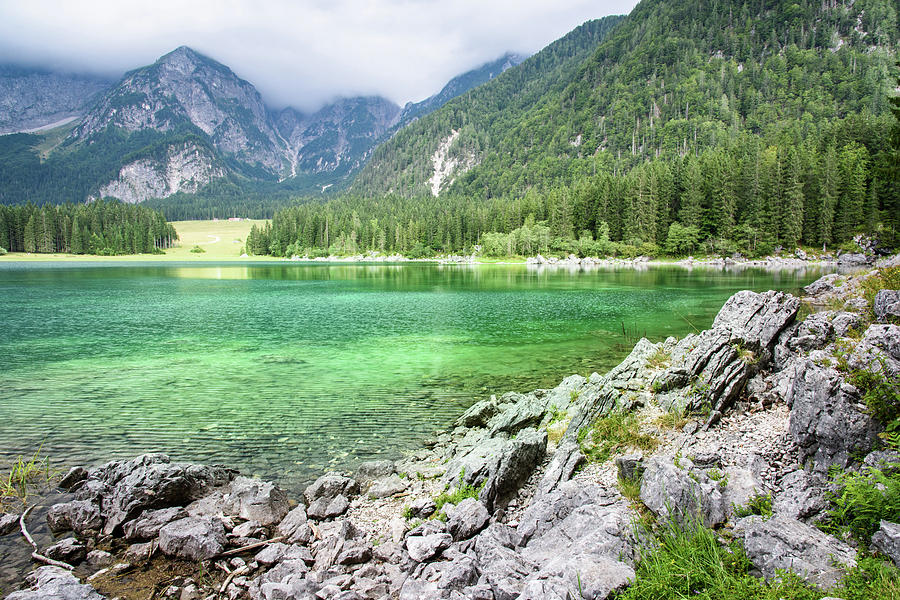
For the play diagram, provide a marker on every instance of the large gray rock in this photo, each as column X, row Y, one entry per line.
column 151, row 481
column 682, row 492
column 853, row 259
column 887, row 541
column 330, row 486
column 499, row 465
column 479, row 414
column 9, row 522
column 80, row 516
column 68, row 550
column 193, row 538
column 388, row 486
column 422, row 548
column 467, row 518
column 295, row 527
column 590, row 576
column 878, row 350
column 328, row 508
column 147, row 526
column 441, row 579
column 255, row 500
column 886, row 305
column 827, row 421
column 814, row 332
column 756, row 320
column 802, row 496
column 823, row 285
column 781, row 543
column 566, row 460
column 54, row 583
column 369, row 471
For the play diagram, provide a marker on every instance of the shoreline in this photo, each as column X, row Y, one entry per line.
column 525, row 481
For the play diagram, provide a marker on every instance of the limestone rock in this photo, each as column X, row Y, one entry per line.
column 388, row 486
column 468, row 518
column 567, row 458
column 255, row 500
column 57, row 584
column 9, row 522
column 80, row 516
column 594, row 577
column 756, row 320
column 369, row 471
column 295, row 527
column 151, row 521
column 329, row 486
column 479, row 414
column 682, row 492
column 827, row 421
column 781, row 543
column 73, row 477
column 886, row 305
column 822, row 285
column 878, row 351
column 422, row 548
column 69, row 551
column 325, row 508
column 887, row 541
column 630, row 466
column 192, row 538
column 151, row 481
column 802, row 496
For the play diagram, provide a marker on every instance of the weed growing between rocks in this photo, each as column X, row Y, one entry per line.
column 881, row 395
column 611, row 435
column 861, row 501
column 887, row 278
column 23, row 475
column 759, row 504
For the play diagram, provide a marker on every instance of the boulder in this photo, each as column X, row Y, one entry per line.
column 99, row 559
column 566, row 460
column 814, row 332
column 886, row 461
column 151, row 481
column 369, row 471
column 887, row 541
column 630, row 466
column 756, row 320
column 682, row 492
column 853, row 259
column 80, row 516
column 73, row 477
column 479, row 414
column 69, row 551
column 823, row 285
column 422, row 548
column 886, row 305
column 592, row 577
column 782, row 543
column 57, row 584
column 328, row 508
column 147, row 526
column 255, row 500
column 330, row 486
column 193, row 538
column 565, row 395
column 295, row 527
column 442, row 579
column 827, row 421
column 9, row 522
column 802, row 496
column 388, row 486
column 878, row 351
column 526, row 410
column 467, row 518
column 422, row 508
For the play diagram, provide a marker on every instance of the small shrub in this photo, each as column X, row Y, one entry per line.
column 881, row 394
column 2, row 251
column 458, row 494
column 870, row 578
column 197, row 250
column 407, row 512
column 611, row 434
column 759, row 504
column 861, row 501
column 887, row 278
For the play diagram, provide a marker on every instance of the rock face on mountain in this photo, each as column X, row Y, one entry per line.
column 184, row 167
column 339, row 137
column 184, row 90
column 31, row 99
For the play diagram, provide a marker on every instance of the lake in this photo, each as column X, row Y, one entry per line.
column 286, row 370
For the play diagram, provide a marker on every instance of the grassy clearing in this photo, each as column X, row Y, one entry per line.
column 612, row 435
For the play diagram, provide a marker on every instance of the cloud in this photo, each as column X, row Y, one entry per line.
column 300, row 53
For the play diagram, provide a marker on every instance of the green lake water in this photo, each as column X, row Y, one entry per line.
column 286, row 370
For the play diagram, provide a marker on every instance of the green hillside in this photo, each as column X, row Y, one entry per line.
column 747, row 125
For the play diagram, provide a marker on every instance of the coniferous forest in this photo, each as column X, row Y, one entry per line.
column 104, row 228
column 705, row 126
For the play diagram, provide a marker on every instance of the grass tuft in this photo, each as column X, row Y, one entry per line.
column 23, row 475
column 611, row 435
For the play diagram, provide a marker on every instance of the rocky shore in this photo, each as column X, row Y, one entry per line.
column 517, row 501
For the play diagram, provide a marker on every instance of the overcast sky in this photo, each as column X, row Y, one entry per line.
column 300, row 53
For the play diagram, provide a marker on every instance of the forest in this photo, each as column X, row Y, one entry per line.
column 101, row 227
column 695, row 127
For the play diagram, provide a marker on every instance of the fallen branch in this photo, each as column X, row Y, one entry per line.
column 36, row 555
column 232, row 575
column 242, row 549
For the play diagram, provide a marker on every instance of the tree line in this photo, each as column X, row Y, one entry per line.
column 104, row 227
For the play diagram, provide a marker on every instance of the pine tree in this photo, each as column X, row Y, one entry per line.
column 792, row 215
column 29, row 240
column 77, row 246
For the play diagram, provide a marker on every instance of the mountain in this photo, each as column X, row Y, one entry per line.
column 33, row 99
column 460, row 85
column 432, row 151
column 186, row 126
column 671, row 79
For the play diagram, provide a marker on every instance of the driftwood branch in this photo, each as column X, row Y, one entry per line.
column 232, row 575
column 242, row 549
column 36, row 555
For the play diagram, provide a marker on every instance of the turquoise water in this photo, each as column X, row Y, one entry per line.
column 286, row 370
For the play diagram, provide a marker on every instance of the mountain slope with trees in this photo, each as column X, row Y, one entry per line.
column 719, row 126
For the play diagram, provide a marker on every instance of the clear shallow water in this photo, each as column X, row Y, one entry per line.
column 286, row 370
